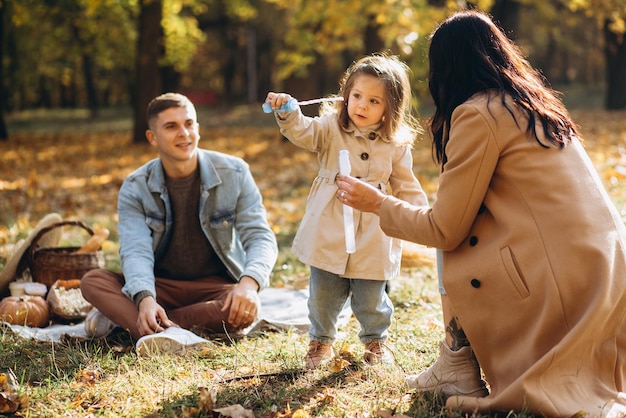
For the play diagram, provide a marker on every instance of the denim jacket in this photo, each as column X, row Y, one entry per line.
column 232, row 217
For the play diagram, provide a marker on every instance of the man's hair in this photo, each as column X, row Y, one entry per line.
column 164, row 102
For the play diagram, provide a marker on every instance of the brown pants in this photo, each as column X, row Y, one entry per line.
column 189, row 304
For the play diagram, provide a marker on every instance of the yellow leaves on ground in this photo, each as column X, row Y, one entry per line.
column 298, row 413
column 342, row 360
column 79, row 175
column 10, row 399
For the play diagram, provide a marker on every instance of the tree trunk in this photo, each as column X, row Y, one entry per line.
column 90, row 86
column 4, row 134
column 252, row 64
column 88, row 69
column 372, row 41
column 149, row 50
column 506, row 13
column 615, row 52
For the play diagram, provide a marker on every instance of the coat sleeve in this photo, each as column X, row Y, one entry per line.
column 472, row 158
column 311, row 134
column 404, row 184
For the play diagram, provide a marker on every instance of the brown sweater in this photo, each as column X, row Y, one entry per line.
column 189, row 254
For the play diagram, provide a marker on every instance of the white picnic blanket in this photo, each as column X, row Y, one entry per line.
column 281, row 309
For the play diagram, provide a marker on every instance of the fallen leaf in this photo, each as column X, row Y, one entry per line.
column 9, row 402
column 189, row 411
column 337, row 364
column 207, row 399
column 235, row 411
column 88, row 377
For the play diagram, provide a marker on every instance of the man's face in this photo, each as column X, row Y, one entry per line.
column 175, row 132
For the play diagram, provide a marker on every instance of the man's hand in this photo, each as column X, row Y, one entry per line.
column 243, row 303
column 152, row 317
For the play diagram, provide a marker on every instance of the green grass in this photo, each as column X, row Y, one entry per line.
column 262, row 373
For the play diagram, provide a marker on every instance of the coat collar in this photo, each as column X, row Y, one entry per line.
column 369, row 132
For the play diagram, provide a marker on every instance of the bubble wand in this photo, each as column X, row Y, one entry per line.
column 348, row 219
column 292, row 104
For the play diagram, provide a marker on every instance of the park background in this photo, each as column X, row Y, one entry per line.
column 75, row 78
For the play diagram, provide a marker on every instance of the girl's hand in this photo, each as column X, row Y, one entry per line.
column 277, row 100
column 359, row 195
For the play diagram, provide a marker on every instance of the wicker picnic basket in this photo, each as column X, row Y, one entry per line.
column 47, row 265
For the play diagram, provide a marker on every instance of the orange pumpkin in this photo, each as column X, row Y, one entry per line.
column 26, row 310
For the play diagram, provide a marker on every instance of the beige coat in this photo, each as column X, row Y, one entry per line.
column 320, row 240
column 534, row 264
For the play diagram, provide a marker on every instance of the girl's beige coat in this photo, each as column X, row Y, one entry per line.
column 534, row 264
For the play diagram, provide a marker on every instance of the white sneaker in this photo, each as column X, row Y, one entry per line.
column 174, row 340
column 97, row 325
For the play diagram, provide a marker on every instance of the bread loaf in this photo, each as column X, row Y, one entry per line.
column 94, row 243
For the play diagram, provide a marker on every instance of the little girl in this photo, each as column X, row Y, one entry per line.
column 374, row 123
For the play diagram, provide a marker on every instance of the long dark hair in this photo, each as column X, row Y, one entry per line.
column 470, row 54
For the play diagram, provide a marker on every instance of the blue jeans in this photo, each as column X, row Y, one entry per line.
column 369, row 302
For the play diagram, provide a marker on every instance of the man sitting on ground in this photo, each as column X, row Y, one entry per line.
column 195, row 244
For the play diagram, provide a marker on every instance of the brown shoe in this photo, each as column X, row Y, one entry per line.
column 377, row 352
column 319, row 354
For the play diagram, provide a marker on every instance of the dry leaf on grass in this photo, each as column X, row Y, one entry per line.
column 189, row 411
column 207, row 398
column 337, row 364
column 298, row 413
column 206, row 402
column 235, row 411
column 87, row 377
column 10, row 400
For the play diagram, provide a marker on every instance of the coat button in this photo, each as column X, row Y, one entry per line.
column 475, row 283
column 365, row 156
column 372, row 136
column 473, row 241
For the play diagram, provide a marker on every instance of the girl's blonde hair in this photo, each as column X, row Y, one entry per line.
column 398, row 124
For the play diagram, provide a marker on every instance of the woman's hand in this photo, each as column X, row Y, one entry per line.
column 359, row 195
